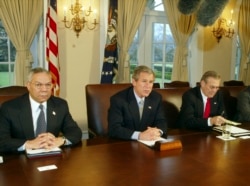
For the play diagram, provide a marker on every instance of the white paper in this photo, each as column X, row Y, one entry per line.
column 231, row 138
column 232, row 122
column 152, row 142
column 244, row 137
column 48, row 167
column 38, row 151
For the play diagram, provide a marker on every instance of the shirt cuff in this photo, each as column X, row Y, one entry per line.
column 22, row 148
column 209, row 123
column 135, row 135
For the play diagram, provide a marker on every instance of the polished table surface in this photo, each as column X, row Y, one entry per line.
column 203, row 160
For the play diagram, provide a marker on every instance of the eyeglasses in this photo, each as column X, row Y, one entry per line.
column 213, row 87
column 40, row 85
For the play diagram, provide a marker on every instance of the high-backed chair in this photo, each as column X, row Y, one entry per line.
column 233, row 83
column 97, row 102
column 172, row 100
column 10, row 92
column 156, row 85
column 230, row 94
column 177, row 84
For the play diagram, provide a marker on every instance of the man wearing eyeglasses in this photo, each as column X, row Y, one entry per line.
column 202, row 106
column 37, row 119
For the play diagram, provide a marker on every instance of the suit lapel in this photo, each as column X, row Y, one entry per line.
column 26, row 115
column 51, row 115
column 148, row 106
column 134, row 109
column 200, row 108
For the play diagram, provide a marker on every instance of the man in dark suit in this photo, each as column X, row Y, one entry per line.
column 18, row 118
column 243, row 105
column 124, row 118
column 192, row 114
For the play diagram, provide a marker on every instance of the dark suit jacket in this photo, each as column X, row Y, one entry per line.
column 16, row 124
column 124, row 117
column 192, row 108
column 243, row 105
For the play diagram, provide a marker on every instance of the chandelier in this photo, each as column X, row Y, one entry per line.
column 82, row 18
column 224, row 28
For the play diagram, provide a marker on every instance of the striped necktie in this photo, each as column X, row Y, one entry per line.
column 141, row 104
column 41, row 123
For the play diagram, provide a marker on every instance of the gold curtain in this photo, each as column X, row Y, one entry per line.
column 130, row 13
column 181, row 27
column 21, row 20
column 244, row 36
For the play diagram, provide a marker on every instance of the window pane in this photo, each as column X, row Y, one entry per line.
column 157, row 68
column 133, row 51
column 4, row 50
column 4, row 75
column 169, row 55
column 157, row 52
column 12, row 52
column 158, row 32
column 169, row 36
column 168, row 72
column 2, row 30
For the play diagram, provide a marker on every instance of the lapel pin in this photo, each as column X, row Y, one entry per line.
column 54, row 113
column 149, row 107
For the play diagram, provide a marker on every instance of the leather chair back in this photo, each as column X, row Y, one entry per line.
column 172, row 100
column 233, row 83
column 11, row 92
column 177, row 84
column 230, row 94
column 98, row 102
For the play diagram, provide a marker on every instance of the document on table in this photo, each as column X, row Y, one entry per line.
column 151, row 143
column 232, row 122
column 235, row 131
column 32, row 153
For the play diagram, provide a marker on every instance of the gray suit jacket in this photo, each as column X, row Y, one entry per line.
column 243, row 105
column 124, row 117
column 16, row 124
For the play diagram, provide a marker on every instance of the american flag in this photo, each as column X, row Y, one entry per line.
column 52, row 46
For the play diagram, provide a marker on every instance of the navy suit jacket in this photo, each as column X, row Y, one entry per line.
column 192, row 108
column 16, row 124
column 124, row 116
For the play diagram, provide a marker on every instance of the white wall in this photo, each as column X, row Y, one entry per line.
column 79, row 64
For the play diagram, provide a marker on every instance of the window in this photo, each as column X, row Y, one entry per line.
column 7, row 58
column 8, row 54
column 153, row 44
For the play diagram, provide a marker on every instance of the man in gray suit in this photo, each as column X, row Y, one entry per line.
column 125, row 120
column 18, row 118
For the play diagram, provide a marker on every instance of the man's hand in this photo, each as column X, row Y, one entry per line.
column 44, row 140
column 217, row 120
column 150, row 134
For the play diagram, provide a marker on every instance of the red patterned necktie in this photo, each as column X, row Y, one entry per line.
column 207, row 108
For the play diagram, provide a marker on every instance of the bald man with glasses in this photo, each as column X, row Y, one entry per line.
column 202, row 106
column 37, row 119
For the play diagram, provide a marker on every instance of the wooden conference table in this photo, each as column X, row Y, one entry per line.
column 203, row 160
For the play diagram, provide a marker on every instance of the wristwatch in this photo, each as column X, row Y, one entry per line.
column 64, row 140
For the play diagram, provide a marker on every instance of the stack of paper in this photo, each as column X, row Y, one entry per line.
column 34, row 153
